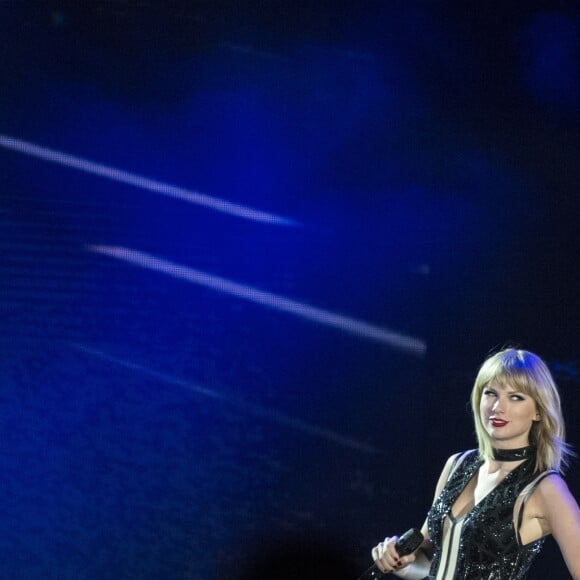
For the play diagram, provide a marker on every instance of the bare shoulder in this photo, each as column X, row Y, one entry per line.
column 553, row 494
column 450, row 464
column 561, row 515
column 452, row 459
column 457, row 458
column 553, row 486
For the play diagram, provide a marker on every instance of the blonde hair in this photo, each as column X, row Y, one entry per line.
column 529, row 374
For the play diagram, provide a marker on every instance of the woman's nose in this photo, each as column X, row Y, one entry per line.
column 497, row 405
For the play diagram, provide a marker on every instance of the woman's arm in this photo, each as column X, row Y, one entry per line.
column 449, row 464
column 414, row 565
column 562, row 515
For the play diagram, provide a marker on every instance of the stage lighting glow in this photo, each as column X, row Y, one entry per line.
column 354, row 326
column 121, row 176
column 251, row 408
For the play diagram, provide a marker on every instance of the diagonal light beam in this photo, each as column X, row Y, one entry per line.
column 252, row 408
column 90, row 167
column 354, row 326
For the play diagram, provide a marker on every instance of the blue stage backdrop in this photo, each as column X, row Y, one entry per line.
column 251, row 256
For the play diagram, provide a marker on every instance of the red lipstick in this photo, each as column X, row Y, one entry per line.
column 498, row 422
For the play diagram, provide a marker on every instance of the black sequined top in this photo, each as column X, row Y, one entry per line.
column 482, row 544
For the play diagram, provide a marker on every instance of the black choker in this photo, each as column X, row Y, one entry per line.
column 514, row 454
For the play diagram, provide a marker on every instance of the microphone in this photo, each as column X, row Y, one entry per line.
column 406, row 544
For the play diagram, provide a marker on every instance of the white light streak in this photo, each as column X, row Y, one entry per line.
column 252, row 408
column 141, row 182
column 354, row 326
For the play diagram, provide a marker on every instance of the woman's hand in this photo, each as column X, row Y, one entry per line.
column 386, row 557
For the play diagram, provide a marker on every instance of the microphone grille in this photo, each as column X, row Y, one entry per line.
column 409, row 541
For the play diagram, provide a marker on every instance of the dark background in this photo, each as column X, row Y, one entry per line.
column 424, row 157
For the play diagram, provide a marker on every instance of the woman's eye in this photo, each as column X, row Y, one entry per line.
column 517, row 398
column 488, row 393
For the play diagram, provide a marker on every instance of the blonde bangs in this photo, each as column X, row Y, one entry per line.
column 528, row 374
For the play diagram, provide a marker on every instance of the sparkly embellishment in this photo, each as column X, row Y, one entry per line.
column 514, row 454
column 488, row 548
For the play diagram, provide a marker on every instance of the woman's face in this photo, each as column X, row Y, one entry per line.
column 507, row 415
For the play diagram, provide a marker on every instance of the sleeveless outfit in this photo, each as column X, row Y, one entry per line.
column 483, row 544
